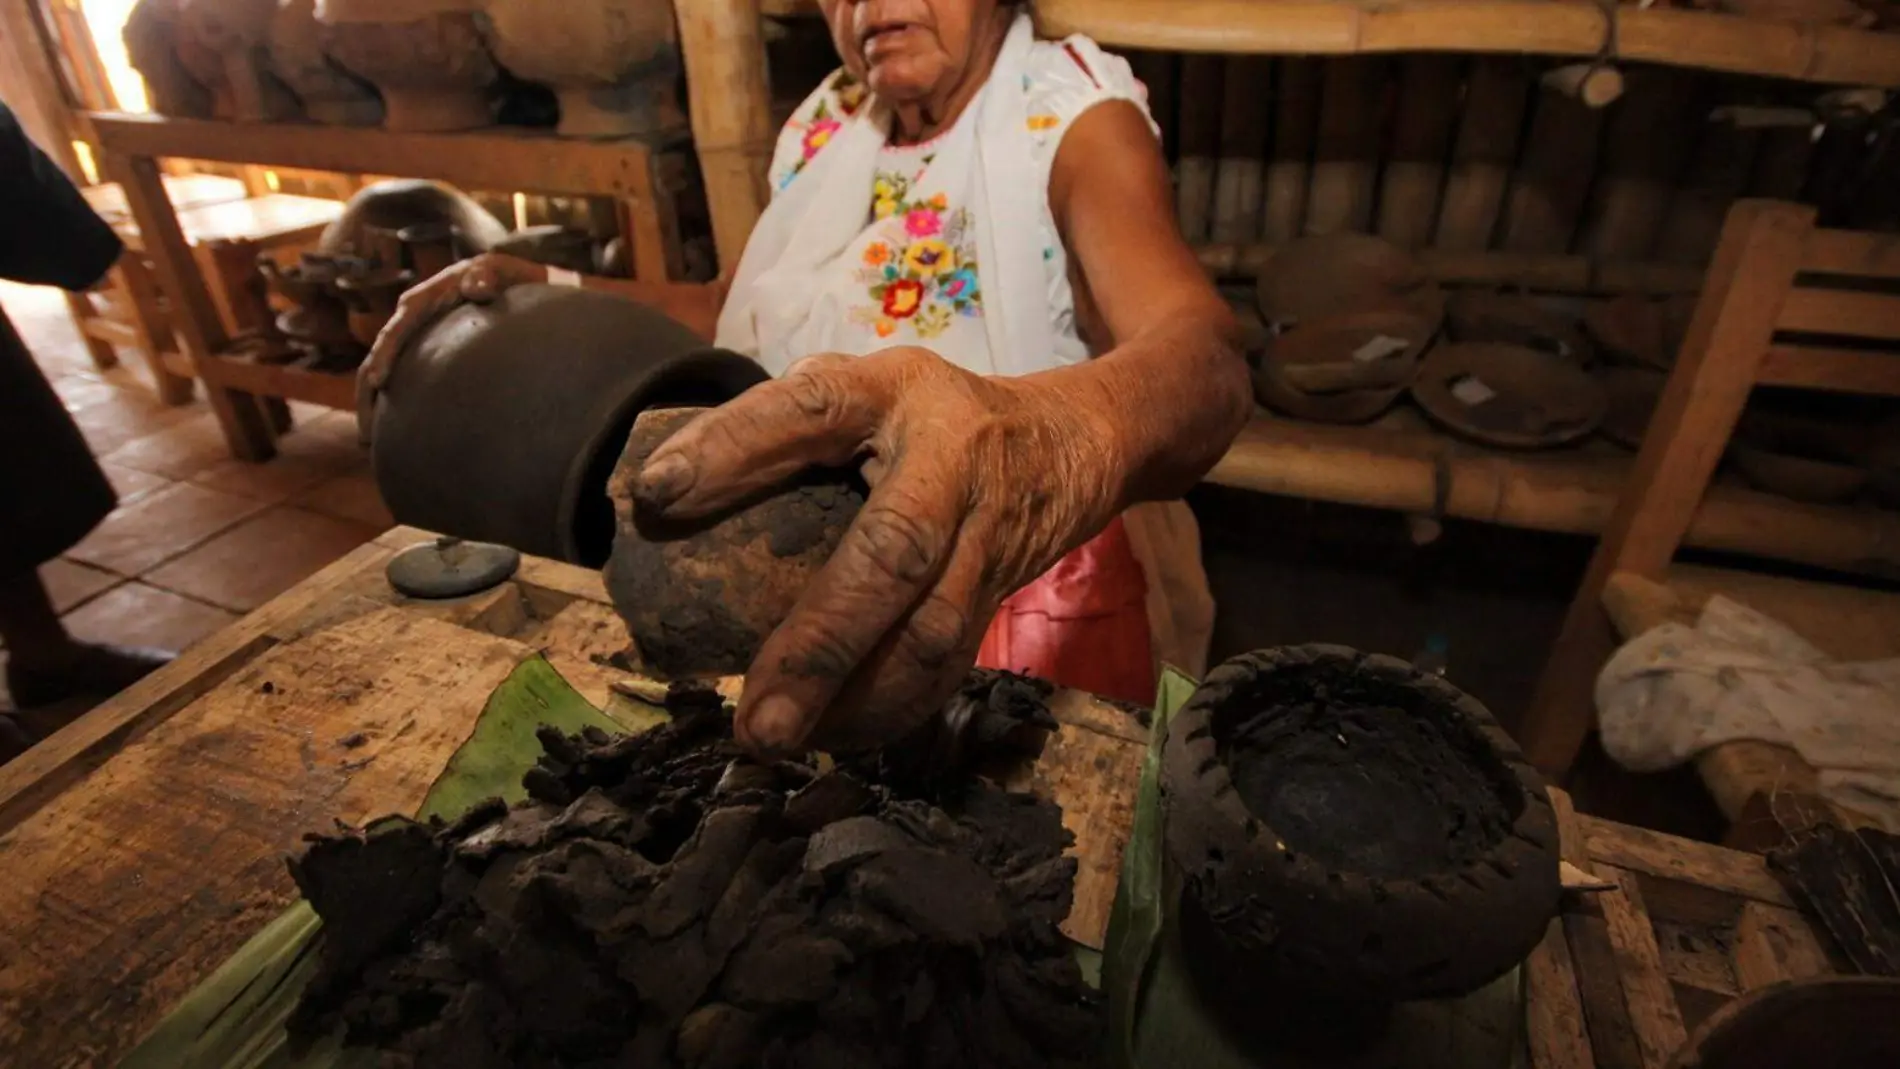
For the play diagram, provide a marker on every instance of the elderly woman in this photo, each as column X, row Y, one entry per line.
column 970, row 280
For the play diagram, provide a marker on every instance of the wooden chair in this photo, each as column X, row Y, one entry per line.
column 1776, row 282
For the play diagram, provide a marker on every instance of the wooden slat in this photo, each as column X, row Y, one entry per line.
column 1852, row 252
column 1492, row 267
column 1665, row 856
column 1844, row 370
column 1774, row 944
column 1554, row 1014
column 1646, row 991
column 330, row 389
column 494, row 159
column 1844, row 312
column 110, row 330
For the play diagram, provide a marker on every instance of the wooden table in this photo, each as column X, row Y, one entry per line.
column 145, row 843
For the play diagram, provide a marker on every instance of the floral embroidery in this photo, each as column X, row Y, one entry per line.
column 818, row 135
column 823, row 125
column 1039, row 123
column 920, row 267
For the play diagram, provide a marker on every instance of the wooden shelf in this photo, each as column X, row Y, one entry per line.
column 238, row 368
column 500, row 158
column 1681, row 38
column 1492, row 267
column 1570, row 491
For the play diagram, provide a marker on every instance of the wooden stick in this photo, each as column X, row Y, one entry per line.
column 1594, row 84
column 731, row 105
column 1346, row 149
column 1295, row 120
column 1645, row 147
column 1245, row 114
column 1773, row 944
column 1652, row 1003
column 1553, row 176
column 1495, row 98
column 1201, row 81
column 1421, row 140
column 1554, row 1017
column 1528, row 270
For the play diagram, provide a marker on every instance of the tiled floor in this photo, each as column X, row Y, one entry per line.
column 198, row 538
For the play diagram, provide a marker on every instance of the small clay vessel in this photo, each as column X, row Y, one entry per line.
column 153, row 34
column 1512, row 319
column 371, row 294
column 1349, row 828
column 238, row 33
column 528, row 402
column 329, row 93
column 428, row 248
column 1315, row 278
column 700, row 598
column 317, row 320
column 372, row 222
column 1346, row 368
column 1842, row 1022
column 1509, row 396
column 613, row 65
column 426, row 56
column 554, row 245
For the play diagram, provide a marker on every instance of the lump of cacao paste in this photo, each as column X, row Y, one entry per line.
column 662, row 902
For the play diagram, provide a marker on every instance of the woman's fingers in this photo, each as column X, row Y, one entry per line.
column 894, row 552
column 820, row 415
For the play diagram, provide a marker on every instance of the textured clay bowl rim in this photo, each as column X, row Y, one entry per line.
column 1273, row 387
column 1529, row 371
column 1344, row 273
column 1766, row 1010
column 1514, row 885
column 1793, row 475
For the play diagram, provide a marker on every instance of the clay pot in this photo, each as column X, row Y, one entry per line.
column 613, row 65
column 428, row 248
column 329, row 93
column 153, row 35
column 1509, row 396
column 1348, row 827
column 1343, row 369
column 426, row 56
column 317, row 318
column 238, row 33
column 552, row 244
column 370, row 295
column 1842, row 1022
column 1315, row 278
column 502, row 422
column 1510, row 319
column 388, row 207
column 700, row 598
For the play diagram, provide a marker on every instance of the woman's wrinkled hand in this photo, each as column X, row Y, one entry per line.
column 978, row 486
column 477, row 280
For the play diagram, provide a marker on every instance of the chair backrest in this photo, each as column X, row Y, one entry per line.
column 1838, row 327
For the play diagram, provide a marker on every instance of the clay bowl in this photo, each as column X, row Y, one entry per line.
column 1349, row 828
column 386, row 208
column 426, row 56
column 1823, row 480
column 1511, row 319
column 612, row 65
column 1630, row 396
column 530, row 451
column 1508, row 396
column 699, row 598
column 329, row 93
column 1347, row 368
column 1314, row 278
column 1841, row 1022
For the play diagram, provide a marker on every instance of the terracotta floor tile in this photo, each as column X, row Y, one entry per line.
column 78, row 389
column 277, row 479
column 131, row 483
column 139, row 615
column 161, row 525
column 177, row 452
column 126, row 415
column 331, row 436
column 261, row 558
column 70, row 583
column 349, row 497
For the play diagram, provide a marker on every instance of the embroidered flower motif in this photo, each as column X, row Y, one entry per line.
column 923, row 223
column 929, row 258
column 940, row 202
column 885, row 327
column 850, row 96
column 901, row 298
column 877, row 254
column 1039, row 123
column 932, row 321
column 818, row 135
column 959, row 286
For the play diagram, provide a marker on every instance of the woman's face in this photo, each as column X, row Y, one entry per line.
column 907, row 50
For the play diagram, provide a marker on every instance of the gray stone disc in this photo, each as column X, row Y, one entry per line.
column 451, row 568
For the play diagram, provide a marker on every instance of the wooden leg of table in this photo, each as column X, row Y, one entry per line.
column 156, row 340
column 199, row 330
column 1753, row 270
column 104, row 356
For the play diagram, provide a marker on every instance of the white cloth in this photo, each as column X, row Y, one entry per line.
column 1676, row 690
column 949, row 244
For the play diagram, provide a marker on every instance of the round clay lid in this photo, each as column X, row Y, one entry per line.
column 451, row 568
column 1630, row 396
column 1315, row 278
column 1344, row 369
column 1509, row 396
column 1514, row 319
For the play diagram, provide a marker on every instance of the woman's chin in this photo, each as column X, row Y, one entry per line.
column 901, row 80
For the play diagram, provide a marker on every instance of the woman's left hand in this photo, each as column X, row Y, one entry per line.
column 979, row 485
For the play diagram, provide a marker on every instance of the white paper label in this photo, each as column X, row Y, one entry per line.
column 1379, row 348
column 1471, row 391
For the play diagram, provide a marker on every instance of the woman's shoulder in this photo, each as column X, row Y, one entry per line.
column 813, row 123
column 1067, row 76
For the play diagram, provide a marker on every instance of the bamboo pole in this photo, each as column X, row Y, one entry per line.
column 1295, row 116
column 723, row 42
column 1718, row 173
column 1567, row 493
column 1346, row 146
column 1245, row 114
column 1645, row 147
column 1201, row 80
column 1537, row 271
column 1595, row 85
column 1552, row 180
column 1495, row 98
column 1421, row 140
column 1678, row 37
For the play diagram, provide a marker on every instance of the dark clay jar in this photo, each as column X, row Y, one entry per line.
column 1352, row 830
column 502, row 422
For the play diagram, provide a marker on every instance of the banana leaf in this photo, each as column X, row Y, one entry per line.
column 1155, row 1018
column 235, row 1018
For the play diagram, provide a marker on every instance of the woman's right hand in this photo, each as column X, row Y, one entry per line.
column 478, row 280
